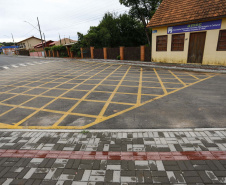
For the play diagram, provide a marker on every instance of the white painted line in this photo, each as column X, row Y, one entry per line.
column 22, row 65
column 14, row 66
column 5, row 67
column 30, row 64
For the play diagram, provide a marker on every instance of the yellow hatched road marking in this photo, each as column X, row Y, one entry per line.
column 131, row 108
column 40, row 85
column 177, row 78
column 27, row 100
column 25, row 119
column 160, row 81
column 140, row 87
column 193, row 76
column 100, row 116
column 83, row 98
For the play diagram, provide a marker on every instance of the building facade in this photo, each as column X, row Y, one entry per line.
column 28, row 43
column 8, row 50
column 189, row 31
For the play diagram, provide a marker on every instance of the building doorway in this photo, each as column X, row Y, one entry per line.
column 196, row 47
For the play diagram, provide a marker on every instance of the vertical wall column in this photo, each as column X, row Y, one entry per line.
column 49, row 54
column 142, row 53
column 122, row 53
column 81, row 49
column 46, row 54
column 68, row 51
column 92, row 52
column 105, row 53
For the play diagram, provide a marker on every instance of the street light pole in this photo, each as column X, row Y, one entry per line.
column 14, row 43
column 41, row 37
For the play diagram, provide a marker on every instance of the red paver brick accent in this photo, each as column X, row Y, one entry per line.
column 169, row 156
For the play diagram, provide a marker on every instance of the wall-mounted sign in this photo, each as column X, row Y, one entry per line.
column 154, row 31
column 210, row 25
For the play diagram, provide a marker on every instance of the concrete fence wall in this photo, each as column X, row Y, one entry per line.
column 141, row 53
column 37, row 54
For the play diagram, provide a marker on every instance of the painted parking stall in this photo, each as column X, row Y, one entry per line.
column 80, row 95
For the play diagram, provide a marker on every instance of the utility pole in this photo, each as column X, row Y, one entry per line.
column 64, row 40
column 14, row 43
column 44, row 39
column 41, row 37
column 60, row 39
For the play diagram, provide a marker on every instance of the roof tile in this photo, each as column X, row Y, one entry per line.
column 182, row 11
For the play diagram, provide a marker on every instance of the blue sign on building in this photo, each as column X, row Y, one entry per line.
column 210, row 25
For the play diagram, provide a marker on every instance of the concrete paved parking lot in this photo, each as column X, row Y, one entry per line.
column 81, row 95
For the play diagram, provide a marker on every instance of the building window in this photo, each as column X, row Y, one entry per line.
column 161, row 43
column 178, row 42
column 222, row 41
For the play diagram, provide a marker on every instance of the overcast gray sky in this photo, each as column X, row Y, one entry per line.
column 64, row 17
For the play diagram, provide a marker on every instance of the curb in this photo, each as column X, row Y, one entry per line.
column 144, row 64
column 118, row 131
column 133, row 63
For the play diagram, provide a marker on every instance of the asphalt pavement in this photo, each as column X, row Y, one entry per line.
column 84, row 95
column 14, row 60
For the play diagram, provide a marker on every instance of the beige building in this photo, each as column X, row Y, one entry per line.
column 28, row 43
column 189, row 31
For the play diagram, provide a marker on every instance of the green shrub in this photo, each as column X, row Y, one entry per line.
column 119, row 57
column 76, row 49
column 47, row 48
column 59, row 48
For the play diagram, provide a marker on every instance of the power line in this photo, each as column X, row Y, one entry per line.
column 81, row 22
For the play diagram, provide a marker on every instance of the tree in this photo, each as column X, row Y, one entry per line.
column 142, row 10
column 113, row 31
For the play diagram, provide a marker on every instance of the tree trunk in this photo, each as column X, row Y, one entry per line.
column 148, row 36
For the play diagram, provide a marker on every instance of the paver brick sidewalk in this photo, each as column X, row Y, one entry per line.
column 117, row 158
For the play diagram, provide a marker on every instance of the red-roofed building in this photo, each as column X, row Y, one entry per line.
column 189, row 31
column 46, row 44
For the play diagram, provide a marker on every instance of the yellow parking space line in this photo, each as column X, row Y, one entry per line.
column 39, row 86
column 20, row 122
column 101, row 114
column 123, row 103
column 177, row 78
column 160, row 81
column 84, row 97
column 4, row 125
column 140, row 87
column 136, row 106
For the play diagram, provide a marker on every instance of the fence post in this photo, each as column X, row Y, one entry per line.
column 92, row 53
column 72, row 55
column 122, row 53
column 58, row 54
column 46, row 53
column 81, row 49
column 105, row 53
column 49, row 54
column 68, row 51
column 142, row 53
column 53, row 53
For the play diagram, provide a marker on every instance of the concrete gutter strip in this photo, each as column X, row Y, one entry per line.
column 119, row 131
column 148, row 64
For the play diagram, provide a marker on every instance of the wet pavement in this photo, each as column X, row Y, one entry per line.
column 81, row 95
